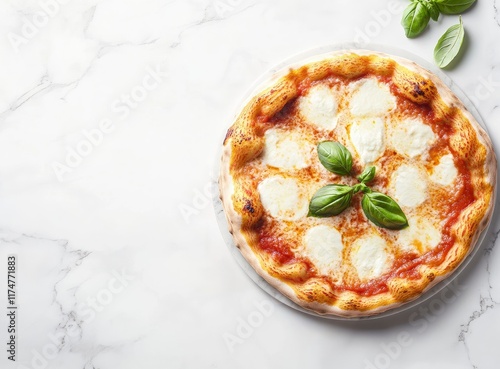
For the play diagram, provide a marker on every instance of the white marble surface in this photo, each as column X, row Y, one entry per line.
column 120, row 262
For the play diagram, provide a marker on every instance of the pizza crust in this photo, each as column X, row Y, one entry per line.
column 419, row 86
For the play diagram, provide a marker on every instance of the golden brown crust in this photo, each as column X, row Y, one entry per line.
column 243, row 208
column 413, row 86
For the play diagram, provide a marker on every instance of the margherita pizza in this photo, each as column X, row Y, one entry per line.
column 410, row 145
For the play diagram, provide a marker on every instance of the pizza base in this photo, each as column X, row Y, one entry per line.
column 348, row 304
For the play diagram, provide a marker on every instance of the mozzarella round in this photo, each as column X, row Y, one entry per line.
column 369, row 97
column 411, row 137
column 409, row 186
column 421, row 235
column 285, row 151
column 323, row 246
column 367, row 136
column 281, row 198
column 445, row 172
column 369, row 257
column 319, row 107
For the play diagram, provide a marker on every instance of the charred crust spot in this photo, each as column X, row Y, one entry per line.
column 249, row 207
column 242, row 138
column 229, row 133
column 417, row 91
column 285, row 111
column 351, row 305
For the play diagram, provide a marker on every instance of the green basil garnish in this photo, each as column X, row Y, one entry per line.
column 433, row 9
column 416, row 16
column 449, row 45
column 367, row 175
column 383, row 211
column 335, row 157
column 333, row 199
column 453, row 6
column 330, row 200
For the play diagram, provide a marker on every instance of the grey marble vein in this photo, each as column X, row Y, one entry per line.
column 496, row 16
column 485, row 302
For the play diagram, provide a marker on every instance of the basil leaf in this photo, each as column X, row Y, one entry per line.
column 433, row 9
column 383, row 211
column 335, row 157
column 367, row 175
column 330, row 200
column 416, row 16
column 361, row 187
column 449, row 45
column 453, row 6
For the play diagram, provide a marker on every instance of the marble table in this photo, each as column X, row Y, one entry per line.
column 112, row 113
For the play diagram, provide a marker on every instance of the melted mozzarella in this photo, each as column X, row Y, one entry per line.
column 411, row 137
column 281, row 198
column 445, row 172
column 284, row 150
column 369, row 97
column 409, row 186
column 369, row 257
column 367, row 136
column 323, row 245
column 421, row 235
column 319, row 107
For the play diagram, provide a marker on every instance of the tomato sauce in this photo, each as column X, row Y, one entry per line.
column 276, row 246
column 407, row 265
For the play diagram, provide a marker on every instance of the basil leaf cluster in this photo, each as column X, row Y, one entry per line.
column 333, row 199
column 417, row 15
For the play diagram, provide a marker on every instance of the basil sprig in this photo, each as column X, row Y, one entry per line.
column 333, row 199
column 416, row 17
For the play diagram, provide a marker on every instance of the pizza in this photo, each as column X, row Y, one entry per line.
column 399, row 125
